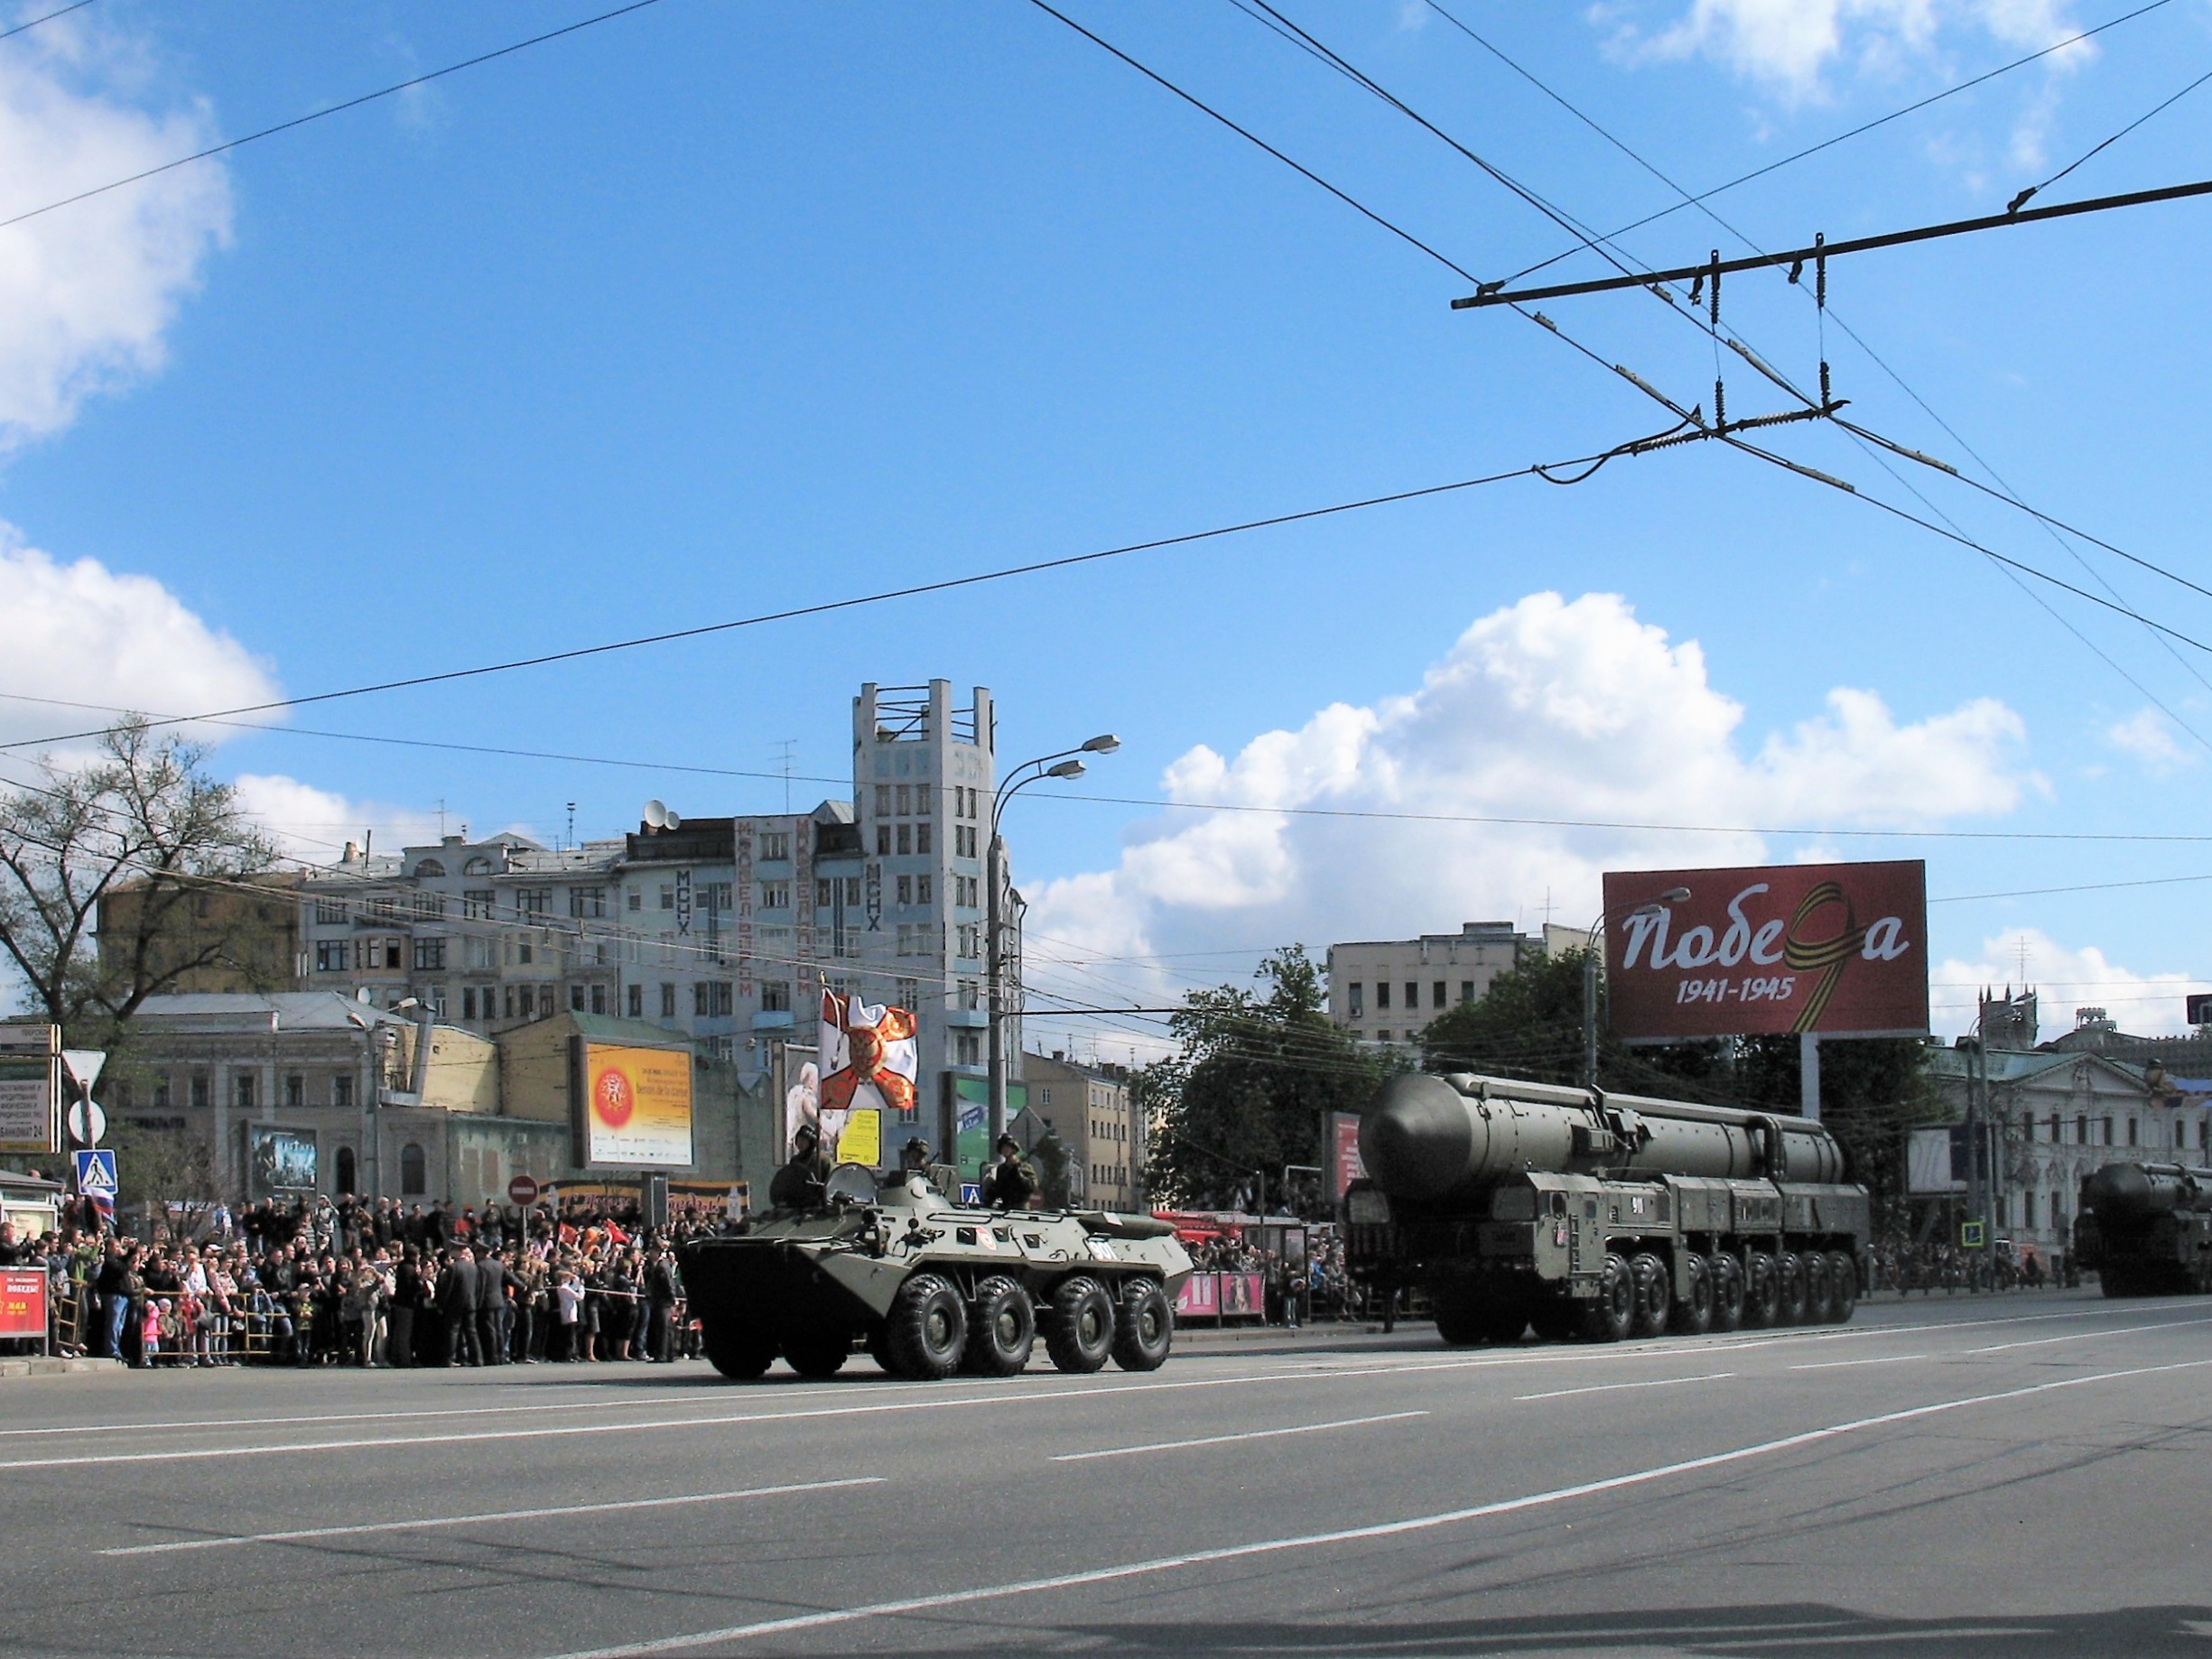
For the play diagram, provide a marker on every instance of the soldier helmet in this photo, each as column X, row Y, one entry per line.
column 1006, row 1141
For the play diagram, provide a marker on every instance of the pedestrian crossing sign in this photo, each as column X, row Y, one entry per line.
column 1969, row 1234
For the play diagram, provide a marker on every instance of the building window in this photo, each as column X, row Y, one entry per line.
column 1413, row 998
column 906, row 839
column 910, row 994
column 296, row 1089
column 332, row 956
column 2131, row 1131
column 668, row 895
column 922, row 795
column 341, row 1090
column 883, row 800
column 637, row 898
column 587, row 901
column 545, row 1001
column 598, row 999
column 467, row 1002
column 2108, row 1140
column 668, row 1000
column 2081, row 1132
column 775, row 997
column 906, row 939
column 331, row 913
column 1466, row 990
column 923, row 891
column 411, row 1182
column 906, row 800
column 921, row 837
column 533, row 901
column 775, row 846
column 775, row 896
column 1355, row 999
column 966, row 1049
column 1382, row 1036
column 2027, row 1210
column 1382, row 995
column 242, row 1086
column 1436, row 994
column 430, row 956
column 345, row 1169
column 576, row 999
column 905, row 890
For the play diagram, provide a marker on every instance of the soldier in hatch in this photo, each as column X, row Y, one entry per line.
column 1012, row 1183
column 799, row 1184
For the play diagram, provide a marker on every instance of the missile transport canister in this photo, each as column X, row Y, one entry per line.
column 1585, row 1213
column 2146, row 1228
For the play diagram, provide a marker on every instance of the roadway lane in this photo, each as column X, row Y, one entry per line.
column 2001, row 1477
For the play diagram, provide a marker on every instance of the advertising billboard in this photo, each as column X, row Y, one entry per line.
column 1837, row 949
column 30, row 1089
column 635, row 1107
column 282, row 1161
column 1344, row 1165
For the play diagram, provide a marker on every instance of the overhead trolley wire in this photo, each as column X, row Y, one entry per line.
column 33, row 23
column 396, row 88
column 2033, row 189
column 1825, row 143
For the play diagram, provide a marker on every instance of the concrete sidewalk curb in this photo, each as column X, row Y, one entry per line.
column 35, row 1365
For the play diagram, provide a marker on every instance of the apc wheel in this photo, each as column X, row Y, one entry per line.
column 742, row 1353
column 1146, row 1328
column 1726, row 1274
column 1761, row 1292
column 1693, row 1315
column 926, row 1328
column 818, row 1353
column 1003, row 1329
column 1654, row 1295
column 1789, row 1289
column 1842, row 1285
column 1819, row 1291
column 1609, row 1318
column 1079, row 1331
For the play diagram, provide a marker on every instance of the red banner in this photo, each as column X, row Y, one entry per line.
column 1344, row 1165
column 23, row 1301
column 1839, row 949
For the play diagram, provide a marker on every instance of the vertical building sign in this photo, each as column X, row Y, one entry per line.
column 744, row 897
column 874, row 890
column 803, row 898
column 683, row 901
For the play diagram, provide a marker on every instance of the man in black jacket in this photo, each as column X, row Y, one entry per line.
column 457, row 1303
column 492, row 1280
column 406, row 1301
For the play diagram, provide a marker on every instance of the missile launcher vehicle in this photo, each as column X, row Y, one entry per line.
column 931, row 1287
column 2146, row 1228
column 1601, row 1216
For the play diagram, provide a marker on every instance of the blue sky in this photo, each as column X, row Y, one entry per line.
column 718, row 309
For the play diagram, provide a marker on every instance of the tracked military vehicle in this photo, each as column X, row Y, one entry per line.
column 2146, row 1228
column 931, row 1287
column 1600, row 1216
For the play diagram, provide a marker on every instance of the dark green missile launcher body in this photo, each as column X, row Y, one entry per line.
column 1602, row 1216
column 2146, row 1228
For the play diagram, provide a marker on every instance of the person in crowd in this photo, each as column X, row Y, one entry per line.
column 457, row 1283
column 492, row 1284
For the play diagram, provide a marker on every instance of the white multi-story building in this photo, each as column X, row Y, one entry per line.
column 721, row 929
column 1388, row 990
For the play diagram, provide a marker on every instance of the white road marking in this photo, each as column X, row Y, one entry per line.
column 1837, row 1364
column 1657, row 1382
column 596, row 1405
column 1223, row 1440
column 2082, row 1336
column 485, row 1520
column 1350, row 1534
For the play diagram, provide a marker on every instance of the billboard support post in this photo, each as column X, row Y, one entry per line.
column 1808, row 1075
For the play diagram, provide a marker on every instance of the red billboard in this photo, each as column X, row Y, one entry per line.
column 1838, row 949
column 1344, row 1165
column 23, row 1302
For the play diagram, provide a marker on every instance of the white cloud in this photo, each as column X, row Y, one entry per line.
column 2148, row 736
column 1546, row 709
column 2065, row 978
column 1788, row 45
column 314, row 824
column 83, row 632
column 87, row 290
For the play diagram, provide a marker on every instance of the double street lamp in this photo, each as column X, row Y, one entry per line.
column 1065, row 765
column 1673, row 895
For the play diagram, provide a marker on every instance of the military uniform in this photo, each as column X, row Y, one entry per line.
column 1010, row 1185
column 799, row 1184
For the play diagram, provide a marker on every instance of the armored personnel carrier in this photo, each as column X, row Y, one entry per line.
column 931, row 1287
column 1600, row 1216
column 2146, row 1228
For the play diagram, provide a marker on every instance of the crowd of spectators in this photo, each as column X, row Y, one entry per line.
column 379, row 1284
column 1928, row 1265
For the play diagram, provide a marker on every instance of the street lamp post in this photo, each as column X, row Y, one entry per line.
column 1673, row 895
column 1066, row 763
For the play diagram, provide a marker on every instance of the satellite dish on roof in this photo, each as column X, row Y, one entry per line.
column 656, row 815
column 675, row 823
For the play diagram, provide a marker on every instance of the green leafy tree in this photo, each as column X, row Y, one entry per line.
column 1257, row 1073
column 1874, row 1092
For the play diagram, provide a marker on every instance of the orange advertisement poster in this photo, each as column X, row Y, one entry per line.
column 638, row 1111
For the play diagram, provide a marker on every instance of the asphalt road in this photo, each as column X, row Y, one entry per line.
column 2022, row 1476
